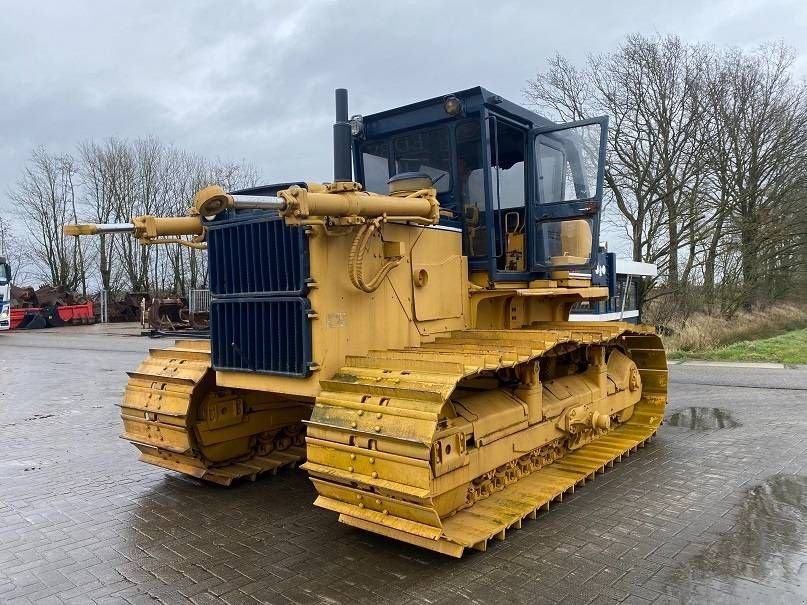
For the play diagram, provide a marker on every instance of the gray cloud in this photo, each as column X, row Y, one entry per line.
column 254, row 80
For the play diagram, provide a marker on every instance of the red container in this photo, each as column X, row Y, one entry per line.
column 17, row 316
column 76, row 314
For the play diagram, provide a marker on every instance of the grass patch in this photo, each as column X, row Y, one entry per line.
column 700, row 333
column 785, row 348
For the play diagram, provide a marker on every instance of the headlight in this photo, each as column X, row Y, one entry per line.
column 5, row 311
column 452, row 105
column 356, row 125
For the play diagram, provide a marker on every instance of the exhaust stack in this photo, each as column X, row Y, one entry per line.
column 342, row 160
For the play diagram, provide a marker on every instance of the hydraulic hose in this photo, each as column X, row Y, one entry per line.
column 358, row 252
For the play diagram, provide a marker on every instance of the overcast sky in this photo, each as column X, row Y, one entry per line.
column 254, row 80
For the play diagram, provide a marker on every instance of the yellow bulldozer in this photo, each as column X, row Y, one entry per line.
column 405, row 329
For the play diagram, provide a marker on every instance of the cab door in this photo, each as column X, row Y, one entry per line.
column 569, row 164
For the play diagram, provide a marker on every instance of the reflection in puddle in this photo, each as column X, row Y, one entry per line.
column 768, row 543
column 702, row 419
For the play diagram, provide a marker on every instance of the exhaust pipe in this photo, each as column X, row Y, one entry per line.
column 342, row 160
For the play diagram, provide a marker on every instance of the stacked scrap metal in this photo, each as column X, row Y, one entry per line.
column 122, row 306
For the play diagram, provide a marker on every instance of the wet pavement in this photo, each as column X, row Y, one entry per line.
column 701, row 419
column 713, row 510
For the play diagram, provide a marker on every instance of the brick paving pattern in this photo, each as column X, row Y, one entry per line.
column 703, row 513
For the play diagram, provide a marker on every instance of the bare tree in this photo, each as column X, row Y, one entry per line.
column 12, row 250
column 767, row 167
column 6, row 237
column 181, row 268
column 100, row 176
column 44, row 198
column 121, row 179
column 650, row 88
column 705, row 160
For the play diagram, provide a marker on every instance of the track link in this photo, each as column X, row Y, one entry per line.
column 371, row 436
column 161, row 418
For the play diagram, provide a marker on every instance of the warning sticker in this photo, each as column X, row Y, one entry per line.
column 337, row 320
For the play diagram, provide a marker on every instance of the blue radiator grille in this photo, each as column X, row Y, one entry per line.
column 269, row 334
column 256, row 254
column 258, row 282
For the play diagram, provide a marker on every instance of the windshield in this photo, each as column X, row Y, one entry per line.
column 427, row 151
column 5, row 274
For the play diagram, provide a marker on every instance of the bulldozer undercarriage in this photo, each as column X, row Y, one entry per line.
column 178, row 419
column 445, row 446
column 448, row 445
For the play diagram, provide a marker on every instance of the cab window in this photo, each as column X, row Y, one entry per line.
column 375, row 161
column 552, row 178
column 507, row 154
column 427, row 151
column 568, row 163
column 471, row 186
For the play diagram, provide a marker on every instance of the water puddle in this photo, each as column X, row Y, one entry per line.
column 766, row 545
column 702, row 419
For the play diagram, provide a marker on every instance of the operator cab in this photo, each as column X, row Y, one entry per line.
column 525, row 192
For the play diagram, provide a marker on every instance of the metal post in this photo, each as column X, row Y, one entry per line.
column 104, row 306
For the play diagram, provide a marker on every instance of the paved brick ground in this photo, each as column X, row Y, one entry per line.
column 702, row 514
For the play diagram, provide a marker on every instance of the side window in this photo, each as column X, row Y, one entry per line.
column 426, row 151
column 507, row 153
column 507, row 170
column 375, row 159
column 631, row 299
column 551, row 178
column 568, row 163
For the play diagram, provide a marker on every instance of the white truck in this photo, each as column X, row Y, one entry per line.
column 5, row 294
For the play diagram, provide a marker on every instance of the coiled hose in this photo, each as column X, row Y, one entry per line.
column 358, row 251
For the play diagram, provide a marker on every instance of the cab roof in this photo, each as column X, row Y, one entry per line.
column 431, row 110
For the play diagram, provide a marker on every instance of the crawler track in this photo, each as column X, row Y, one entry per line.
column 173, row 413
column 371, row 436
